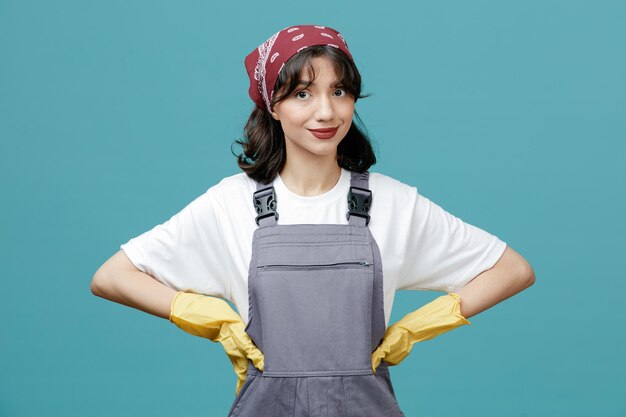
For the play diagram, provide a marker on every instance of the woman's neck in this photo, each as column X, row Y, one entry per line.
column 310, row 178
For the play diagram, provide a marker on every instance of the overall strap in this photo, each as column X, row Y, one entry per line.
column 359, row 199
column 264, row 200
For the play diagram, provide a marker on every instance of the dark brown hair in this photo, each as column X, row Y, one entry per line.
column 264, row 153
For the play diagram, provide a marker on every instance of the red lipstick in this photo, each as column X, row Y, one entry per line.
column 324, row 133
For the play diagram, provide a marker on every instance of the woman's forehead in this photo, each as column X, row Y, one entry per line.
column 319, row 68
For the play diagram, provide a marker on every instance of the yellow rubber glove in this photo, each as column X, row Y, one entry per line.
column 214, row 319
column 438, row 316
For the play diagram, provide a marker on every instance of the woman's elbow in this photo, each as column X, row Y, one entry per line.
column 521, row 273
column 103, row 282
column 98, row 283
column 526, row 274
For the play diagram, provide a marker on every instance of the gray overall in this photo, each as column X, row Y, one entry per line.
column 316, row 312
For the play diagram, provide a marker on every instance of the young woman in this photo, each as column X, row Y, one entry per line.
column 311, row 247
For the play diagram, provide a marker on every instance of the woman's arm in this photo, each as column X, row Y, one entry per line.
column 120, row 281
column 510, row 275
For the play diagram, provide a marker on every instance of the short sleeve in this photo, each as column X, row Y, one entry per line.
column 187, row 252
column 443, row 252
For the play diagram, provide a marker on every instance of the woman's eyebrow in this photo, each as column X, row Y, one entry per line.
column 308, row 83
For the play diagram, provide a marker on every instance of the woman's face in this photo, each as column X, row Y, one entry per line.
column 321, row 105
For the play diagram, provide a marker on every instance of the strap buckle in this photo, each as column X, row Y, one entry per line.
column 265, row 203
column 359, row 203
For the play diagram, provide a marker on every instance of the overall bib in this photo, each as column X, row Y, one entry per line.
column 316, row 312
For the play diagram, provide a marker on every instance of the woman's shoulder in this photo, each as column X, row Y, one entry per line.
column 385, row 184
column 233, row 184
column 233, row 187
column 392, row 203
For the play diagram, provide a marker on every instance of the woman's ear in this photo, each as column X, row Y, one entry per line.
column 275, row 115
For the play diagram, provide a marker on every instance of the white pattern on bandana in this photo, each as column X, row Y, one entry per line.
column 259, row 71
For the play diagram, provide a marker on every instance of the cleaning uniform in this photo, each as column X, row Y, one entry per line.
column 316, row 312
column 206, row 247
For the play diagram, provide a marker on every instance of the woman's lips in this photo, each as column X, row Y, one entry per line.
column 324, row 133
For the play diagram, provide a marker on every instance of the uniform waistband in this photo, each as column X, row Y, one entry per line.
column 383, row 368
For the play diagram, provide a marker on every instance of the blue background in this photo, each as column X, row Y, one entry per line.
column 511, row 115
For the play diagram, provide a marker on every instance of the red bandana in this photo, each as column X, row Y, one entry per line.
column 265, row 62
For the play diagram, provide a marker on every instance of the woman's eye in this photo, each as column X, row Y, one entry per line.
column 340, row 92
column 302, row 94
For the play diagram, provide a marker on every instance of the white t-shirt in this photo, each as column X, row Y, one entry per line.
column 207, row 246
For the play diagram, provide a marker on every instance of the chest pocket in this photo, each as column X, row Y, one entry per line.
column 315, row 306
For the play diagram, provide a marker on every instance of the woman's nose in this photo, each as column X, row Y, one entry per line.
column 324, row 109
